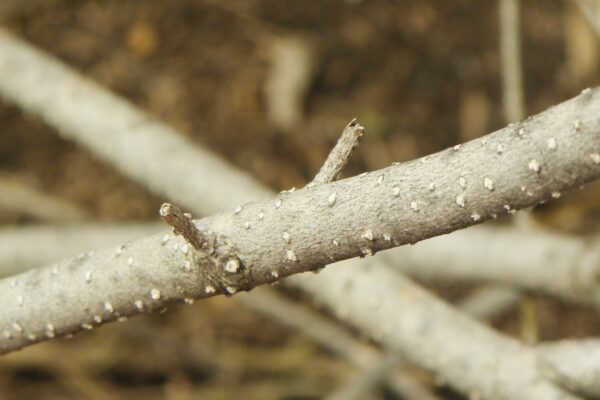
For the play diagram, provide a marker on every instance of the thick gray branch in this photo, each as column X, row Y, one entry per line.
column 300, row 231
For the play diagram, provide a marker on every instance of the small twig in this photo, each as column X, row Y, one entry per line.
column 182, row 225
column 339, row 155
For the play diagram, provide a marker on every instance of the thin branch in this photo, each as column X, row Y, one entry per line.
column 486, row 303
column 338, row 157
column 29, row 247
column 480, row 362
column 112, row 128
column 287, row 83
column 23, row 199
column 513, row 105
column 510, row 54
column 331, row 337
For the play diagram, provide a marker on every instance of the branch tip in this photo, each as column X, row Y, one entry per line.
column 339, row 155
column 182, row 224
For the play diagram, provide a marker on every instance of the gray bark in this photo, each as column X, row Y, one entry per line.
column 303, row 230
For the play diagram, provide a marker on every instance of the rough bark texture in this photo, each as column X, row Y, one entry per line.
column 303, row 230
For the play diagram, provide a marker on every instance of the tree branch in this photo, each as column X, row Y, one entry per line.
column 301, row 231
column 513, row 103
column 20, row 198
column 152, row 273
column 182, row 225
column 557, row 265
column 331, row 337
column 53, row 243
column 110, row 127
column 480, row 362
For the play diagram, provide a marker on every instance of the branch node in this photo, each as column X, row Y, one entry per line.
column 182, row 225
